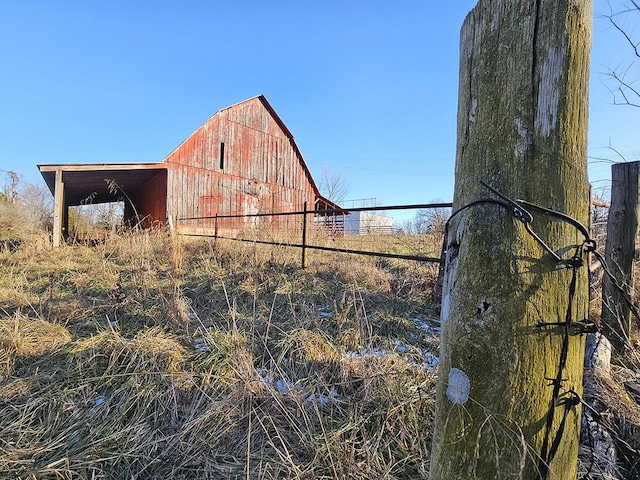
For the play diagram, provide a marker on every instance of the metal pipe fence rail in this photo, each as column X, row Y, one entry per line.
column 293, row 229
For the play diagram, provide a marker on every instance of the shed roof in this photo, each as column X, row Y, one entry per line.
column 91, row 180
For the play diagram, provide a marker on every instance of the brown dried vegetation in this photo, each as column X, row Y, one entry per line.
column 149, row 358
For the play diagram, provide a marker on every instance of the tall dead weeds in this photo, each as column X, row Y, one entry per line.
column 150, row 358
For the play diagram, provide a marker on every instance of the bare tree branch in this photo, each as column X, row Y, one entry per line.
column 625, row 91
column 618, row 25
column 619, row 154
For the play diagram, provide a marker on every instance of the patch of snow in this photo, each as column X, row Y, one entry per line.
column 598, row 354
column 199, row 345
column 431, row 361
column 368, row 352
column 425, row 326
column 548, row 91
column 265, row 375
column 422, row 324
column 323, row 399
column 473, row 109
column 325, row 312
column 283, row 386
column 460, row 231
column 402, row 346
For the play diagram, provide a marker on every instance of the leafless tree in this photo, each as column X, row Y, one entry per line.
column 429, row 220
column 333, row 186
column 24, row 208
column 37, row 204
column 11, row 185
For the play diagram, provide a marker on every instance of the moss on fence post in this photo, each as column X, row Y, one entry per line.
column 522, row 129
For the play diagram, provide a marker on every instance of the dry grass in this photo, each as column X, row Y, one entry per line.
column 149, row 358
column 143, row 358
column 619, row 409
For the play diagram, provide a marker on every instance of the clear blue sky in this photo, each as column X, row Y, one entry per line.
column 367, row 87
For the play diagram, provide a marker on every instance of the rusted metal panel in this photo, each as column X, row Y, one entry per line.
column 260, row 171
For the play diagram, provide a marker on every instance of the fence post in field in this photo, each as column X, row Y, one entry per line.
column 215, row 230
column 622, row 228
column 304, row 235
column 516, row 279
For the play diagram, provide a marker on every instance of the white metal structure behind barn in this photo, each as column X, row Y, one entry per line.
column 363, row 223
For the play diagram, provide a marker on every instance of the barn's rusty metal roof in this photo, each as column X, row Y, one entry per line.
column 89, row 182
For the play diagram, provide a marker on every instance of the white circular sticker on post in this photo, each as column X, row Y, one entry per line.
column 459, row 386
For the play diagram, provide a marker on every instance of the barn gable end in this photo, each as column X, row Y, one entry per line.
column 241, row 161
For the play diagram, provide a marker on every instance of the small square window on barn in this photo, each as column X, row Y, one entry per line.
column 221, row 155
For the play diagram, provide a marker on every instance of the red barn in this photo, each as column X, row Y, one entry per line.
column 242, row 161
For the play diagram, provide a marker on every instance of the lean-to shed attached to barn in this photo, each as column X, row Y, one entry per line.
column 242, row 161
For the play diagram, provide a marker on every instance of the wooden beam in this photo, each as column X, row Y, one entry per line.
column 100, row 166
column 59, row 208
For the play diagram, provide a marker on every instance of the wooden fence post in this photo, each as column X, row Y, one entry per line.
column 511, row 360
column 215, row 231
column 622, row 228
column 304, row 235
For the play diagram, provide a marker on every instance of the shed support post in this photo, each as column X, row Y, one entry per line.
column 60, row 212
column 511, row 356
column 622, row 228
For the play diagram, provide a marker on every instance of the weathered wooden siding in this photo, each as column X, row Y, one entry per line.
column 262, row 169
column 151, row 201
